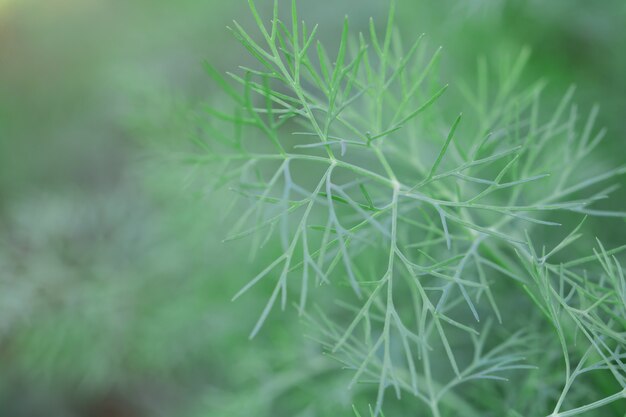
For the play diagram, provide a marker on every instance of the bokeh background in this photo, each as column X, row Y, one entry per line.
column 114, row 284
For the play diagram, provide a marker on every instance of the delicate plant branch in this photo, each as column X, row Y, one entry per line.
column 386, row 182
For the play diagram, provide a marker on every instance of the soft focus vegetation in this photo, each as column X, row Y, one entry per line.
column 121, row 177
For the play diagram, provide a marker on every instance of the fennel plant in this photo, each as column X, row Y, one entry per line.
column 413, row 238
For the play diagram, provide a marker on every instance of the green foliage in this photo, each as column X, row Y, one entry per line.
column 115, row 286
column 369, row 180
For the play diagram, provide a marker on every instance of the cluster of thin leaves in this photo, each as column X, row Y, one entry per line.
column 588, row 313
column 363, row 178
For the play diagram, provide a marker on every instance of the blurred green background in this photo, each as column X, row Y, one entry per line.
column 114, row 284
